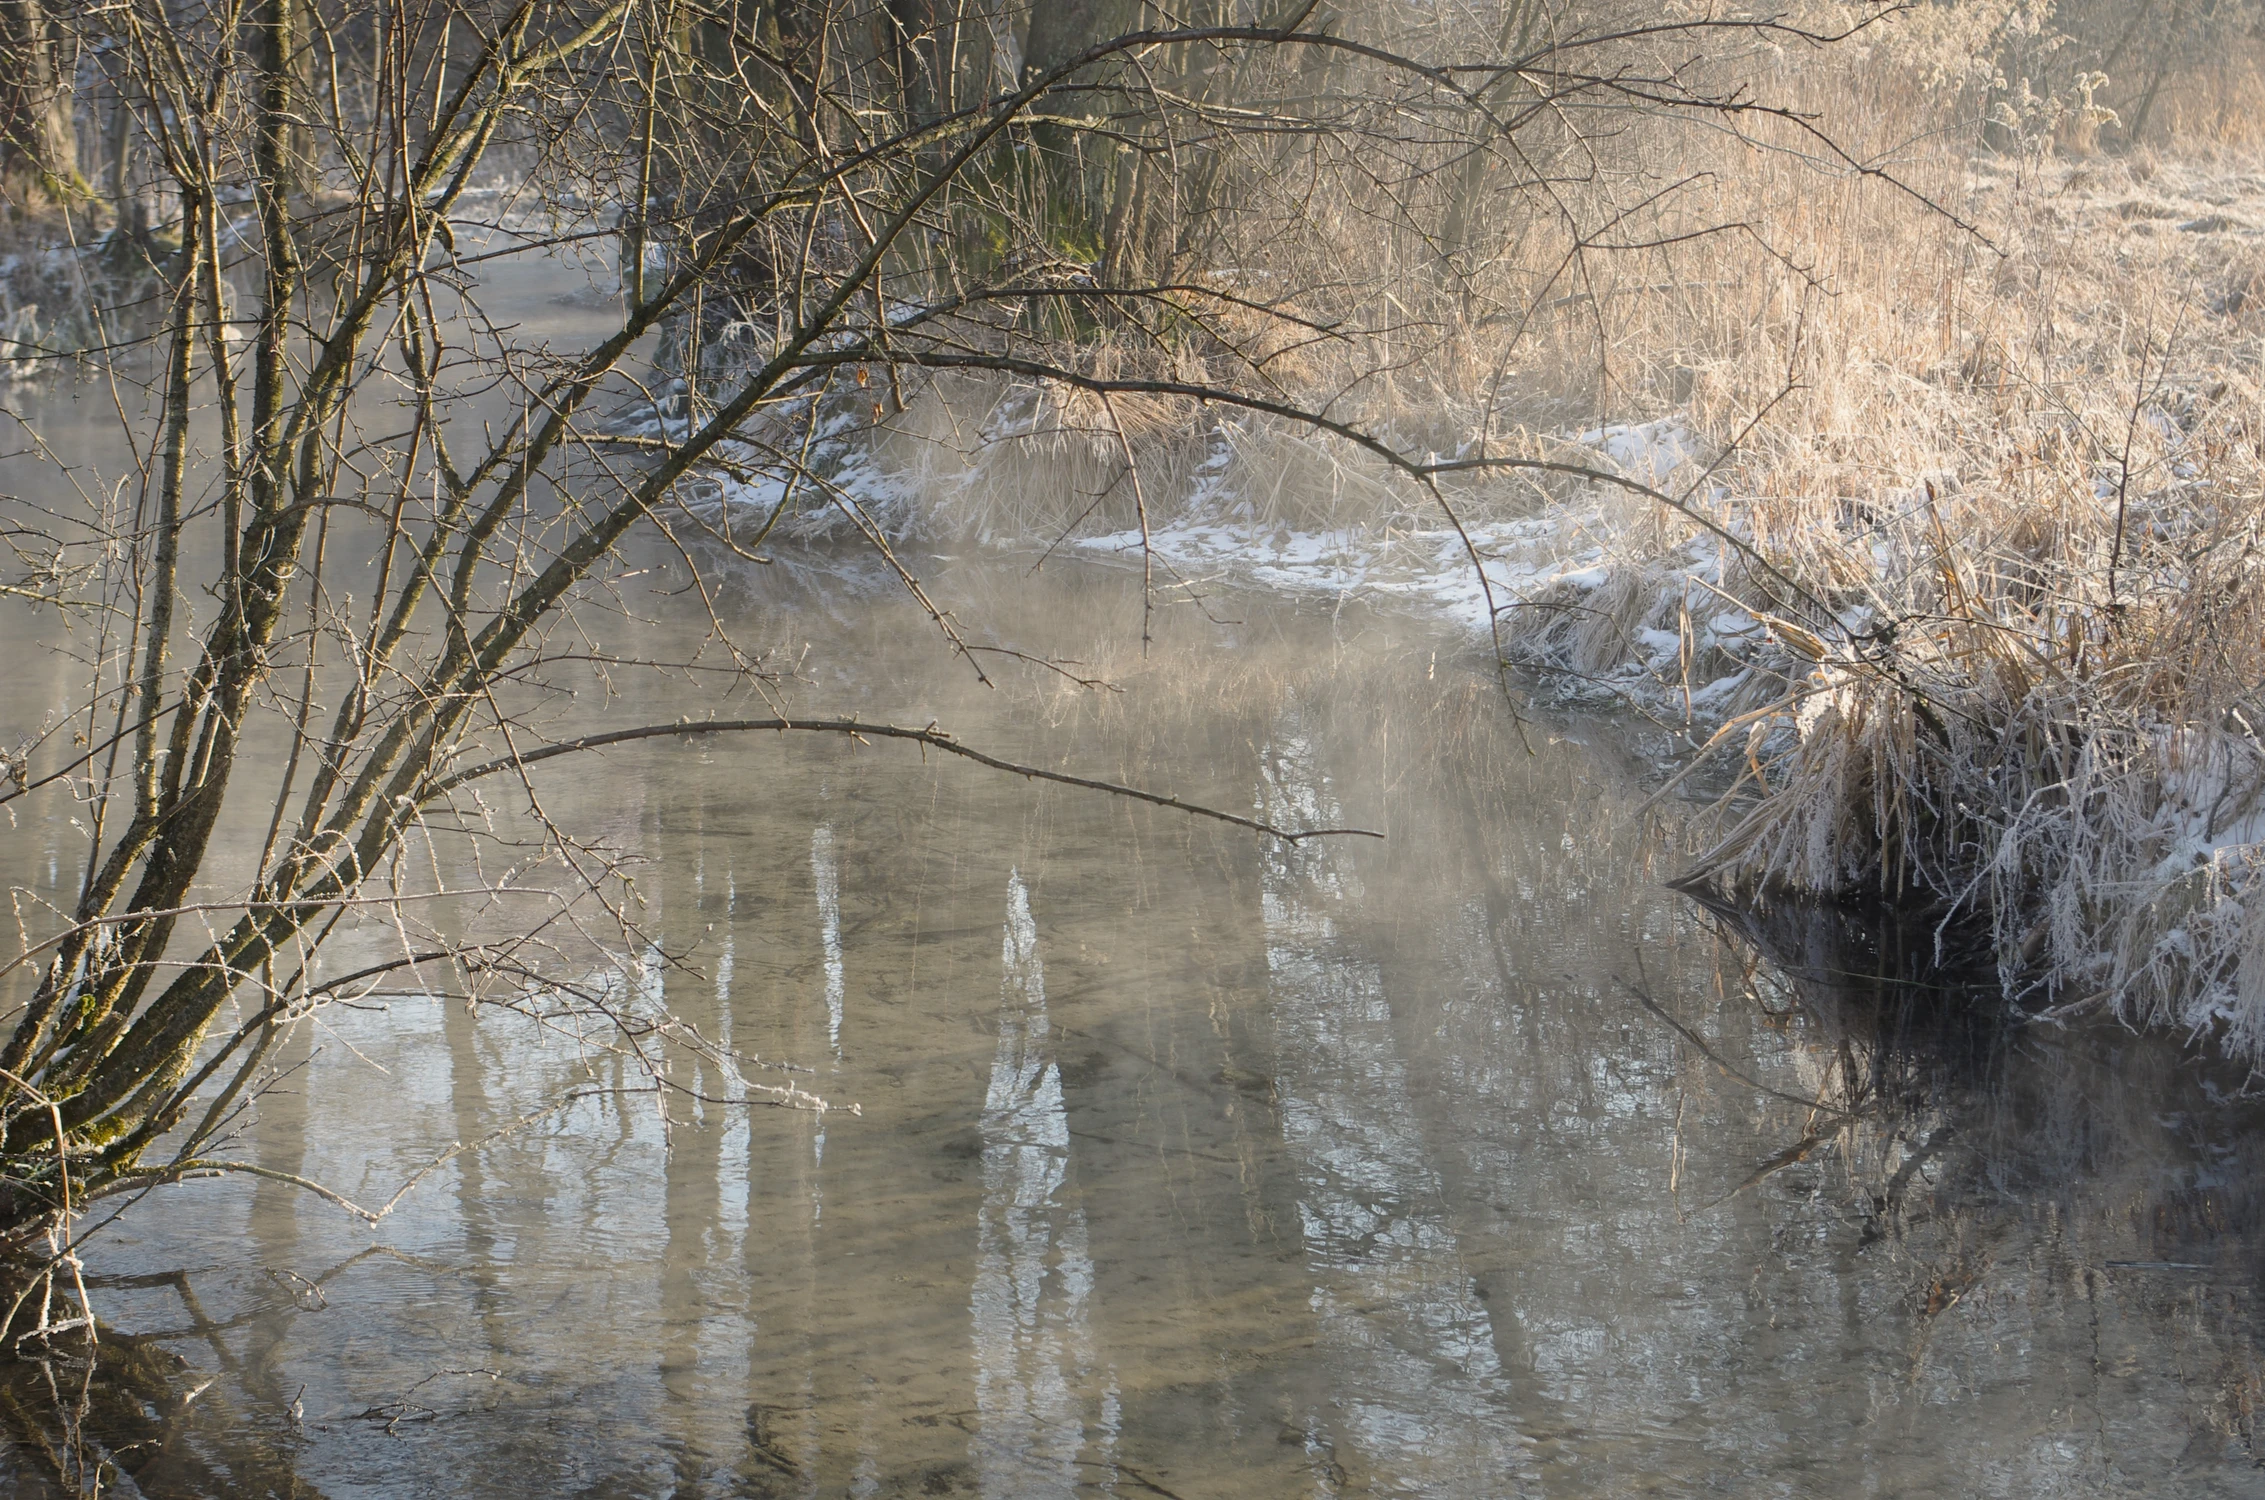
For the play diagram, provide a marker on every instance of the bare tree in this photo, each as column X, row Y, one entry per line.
column 820, row 215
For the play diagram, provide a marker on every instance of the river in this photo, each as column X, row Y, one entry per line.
column 1468, row 1161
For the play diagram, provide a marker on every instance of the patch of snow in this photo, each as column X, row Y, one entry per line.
column 1647, row 452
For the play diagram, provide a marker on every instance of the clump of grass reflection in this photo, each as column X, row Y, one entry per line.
column 1998, row 1162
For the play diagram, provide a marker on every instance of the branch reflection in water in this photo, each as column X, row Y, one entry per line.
column 1190, row 1163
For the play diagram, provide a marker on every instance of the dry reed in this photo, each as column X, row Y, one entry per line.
column 2014, row 466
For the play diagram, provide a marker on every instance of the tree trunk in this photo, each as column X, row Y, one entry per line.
column 1061, row 29
column 39, row 151
column 1466, row 202
column 1075, row 188
column 118, row 161
column 919, row 61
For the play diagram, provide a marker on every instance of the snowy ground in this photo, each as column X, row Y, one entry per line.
column 1428, row 568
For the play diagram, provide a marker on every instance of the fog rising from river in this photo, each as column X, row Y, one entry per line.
column 1189, row 1162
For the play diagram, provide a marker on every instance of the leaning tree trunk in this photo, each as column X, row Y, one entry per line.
column 1467, row 197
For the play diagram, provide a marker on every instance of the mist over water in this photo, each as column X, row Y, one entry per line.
column 1188, row 1162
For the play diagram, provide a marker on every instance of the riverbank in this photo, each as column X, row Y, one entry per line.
column 1966, row 605
column 1925, row 536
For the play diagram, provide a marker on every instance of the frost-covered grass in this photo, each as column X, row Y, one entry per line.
column 2019, row 492
column 28, row 316
column 49, row 288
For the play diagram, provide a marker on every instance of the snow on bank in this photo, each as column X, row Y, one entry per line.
column 1429, row 570
column 1555, row 590
column 1579, row 584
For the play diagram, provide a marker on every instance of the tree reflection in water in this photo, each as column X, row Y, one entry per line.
column 1196, row 1165
column 1035, row 1369
column 1423, row 1400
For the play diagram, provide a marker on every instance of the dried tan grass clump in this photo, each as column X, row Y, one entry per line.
column 2015, row 464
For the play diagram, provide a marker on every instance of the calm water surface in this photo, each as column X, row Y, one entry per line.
column 1189, row 1163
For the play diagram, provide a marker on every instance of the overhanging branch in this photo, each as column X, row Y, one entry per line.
column 931, row 736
